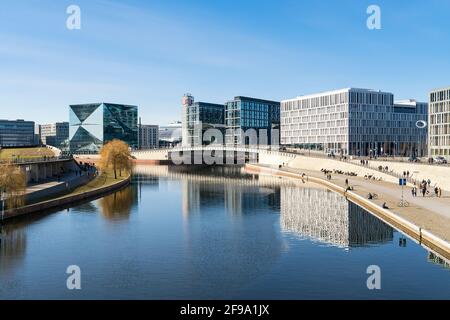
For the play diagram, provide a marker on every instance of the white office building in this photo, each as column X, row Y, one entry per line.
column 354, row 122
column 55, row 134
column 439, row 123
column 148, row 136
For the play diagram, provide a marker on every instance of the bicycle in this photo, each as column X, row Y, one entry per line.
column 403, row 203
column 374, row 196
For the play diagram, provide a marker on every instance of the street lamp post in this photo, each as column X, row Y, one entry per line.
column 420, row 124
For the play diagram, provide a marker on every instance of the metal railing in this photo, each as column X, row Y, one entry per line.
column 19, row 160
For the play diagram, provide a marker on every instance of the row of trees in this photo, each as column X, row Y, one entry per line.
column 13, row 184
column 115, row 156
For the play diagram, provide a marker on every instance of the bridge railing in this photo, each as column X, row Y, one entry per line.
column 36, row 160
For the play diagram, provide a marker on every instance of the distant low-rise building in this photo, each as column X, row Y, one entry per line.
column 148, row 136
column 17, row 133
column 55, row 134
column 170, row 135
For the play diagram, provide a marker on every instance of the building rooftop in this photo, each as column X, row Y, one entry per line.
column 337, row 91
column 408, row 103
column 254, row 99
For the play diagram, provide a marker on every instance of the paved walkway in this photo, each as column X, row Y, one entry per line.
column 430, row 213
column 51, row 183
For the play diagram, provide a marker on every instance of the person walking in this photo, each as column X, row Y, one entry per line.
column 424, row 191
column 440, row 192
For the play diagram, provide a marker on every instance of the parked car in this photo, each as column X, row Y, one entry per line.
column 440, row 160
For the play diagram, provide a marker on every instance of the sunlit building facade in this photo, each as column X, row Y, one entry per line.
column 354, row 122
column 92, row 125
column 55, row 134
column 148, row 136
column 439, row 123
column 198, row 117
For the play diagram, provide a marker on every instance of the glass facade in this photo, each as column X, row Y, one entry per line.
column 201, row 116
column 17, row 133
column 243, row 114
column 92, row 125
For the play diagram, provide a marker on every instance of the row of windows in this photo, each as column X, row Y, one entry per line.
column 440, row 152
column 439, row 130
column 440, row 95
column 376, row 98
column 440, row 141
column 440, row 107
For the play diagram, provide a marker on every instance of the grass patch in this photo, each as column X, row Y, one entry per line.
column 25, row 153
column 104, row 180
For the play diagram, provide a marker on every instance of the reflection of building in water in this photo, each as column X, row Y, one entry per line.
column 231, row 187
column 13, row 243
column 237, row 199
column 328, row 217
column 437, row 259
column 240, row 194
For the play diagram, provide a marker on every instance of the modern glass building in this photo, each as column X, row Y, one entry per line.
column 17, row 133
column 243, row 114
column 198, row 117
column 92, row 125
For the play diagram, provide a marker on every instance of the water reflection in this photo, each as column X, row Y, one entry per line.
column 306, row 209
column 439, row 260
column 208, row 233
column 117, row 206
column 13, row 243
column 327, row 217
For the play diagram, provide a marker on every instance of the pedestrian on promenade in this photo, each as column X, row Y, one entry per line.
column 440, row 192
column 436, row 191
column 346, row 182
column 407, row 173
column 429, row 182
column 424, row 191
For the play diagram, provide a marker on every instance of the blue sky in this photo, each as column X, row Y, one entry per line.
column 149, row 53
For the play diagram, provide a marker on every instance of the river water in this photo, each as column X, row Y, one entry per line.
column 215, row 233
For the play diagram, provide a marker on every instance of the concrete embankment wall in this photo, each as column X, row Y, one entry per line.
column 316, row 164
column 58, row 190
column 66, row 200
column 439, row 175
column 422, row 236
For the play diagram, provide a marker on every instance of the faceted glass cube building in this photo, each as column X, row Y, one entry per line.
column 92, row 125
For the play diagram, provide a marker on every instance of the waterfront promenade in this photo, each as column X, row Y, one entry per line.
column 429, row 213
